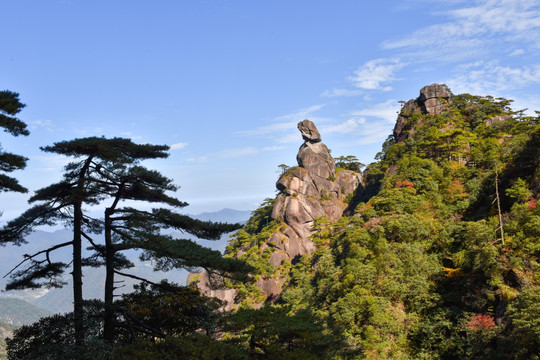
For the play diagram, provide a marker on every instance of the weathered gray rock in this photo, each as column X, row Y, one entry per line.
column 401, row 128
column 433, row 100
column 211, row 285
column 309, row 131
column 316, row 159
column 277, row 257
column 495, row 119
column 310, row 191
column 433, row 91
column 270, row 287
column 313, row 189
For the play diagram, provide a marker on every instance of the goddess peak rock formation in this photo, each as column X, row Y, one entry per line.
column 313, row 189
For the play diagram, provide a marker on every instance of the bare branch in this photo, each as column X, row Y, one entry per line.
column 136, row 277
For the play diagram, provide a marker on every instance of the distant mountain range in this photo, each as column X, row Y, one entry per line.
column 18, row 312
column 225, row 215
column 60, row 300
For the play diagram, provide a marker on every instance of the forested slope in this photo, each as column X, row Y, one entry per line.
column 439, row 259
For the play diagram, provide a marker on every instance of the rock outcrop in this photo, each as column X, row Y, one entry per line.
column 313, row 189
column 212, row 286
column 433, row 100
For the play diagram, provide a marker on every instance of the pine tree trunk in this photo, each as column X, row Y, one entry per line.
column 78, row 310
column 108, row 327
column 499, row 203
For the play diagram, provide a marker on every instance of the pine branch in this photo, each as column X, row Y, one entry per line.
column 30, row 257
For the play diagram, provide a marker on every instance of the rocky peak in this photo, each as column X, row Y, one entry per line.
column 433, row 100
column 313, row 155
column 309, row 131
column 313, row 189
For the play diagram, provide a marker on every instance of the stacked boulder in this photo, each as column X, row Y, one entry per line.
column 313, row 189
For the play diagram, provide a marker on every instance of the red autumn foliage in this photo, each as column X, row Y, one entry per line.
column 404, row 184
column 532, row 203
column 481, row 322
column 373, row 224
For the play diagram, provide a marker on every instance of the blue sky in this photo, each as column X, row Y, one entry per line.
column 224, row 83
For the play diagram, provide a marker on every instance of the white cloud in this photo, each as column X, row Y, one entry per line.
column 131, row 135
column 178, row 146
column 370, row 125
column 490, row 77
column 531, row 102
column 284, row 123
column 346, row 127
column 234, row 153
column 300, row 114
column 499, row 16
column 476, row 28
column 341, row 92
column 270, row 129
column 51, row 162
column 374, row 74
column 42, row 123
column 97, row 131
column 517, row 52
column 292, row 137
column 197, row 159
column 387, row 110
column 373, row 132
column 273, row 148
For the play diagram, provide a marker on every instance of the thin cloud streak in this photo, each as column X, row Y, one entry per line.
column 476, row 27
column 178, row 146
column 346, row 127
column 373, row 132
column 284, row 123
column 51, row 162
column 375, row 73
column 387, row 110
column 342, row 93
column 489, row 77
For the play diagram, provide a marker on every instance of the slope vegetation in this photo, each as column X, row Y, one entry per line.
column 439, row 258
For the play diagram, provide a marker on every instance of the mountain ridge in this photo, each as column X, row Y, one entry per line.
column 439, row 255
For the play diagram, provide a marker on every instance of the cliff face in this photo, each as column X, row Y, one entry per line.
column 313, row 189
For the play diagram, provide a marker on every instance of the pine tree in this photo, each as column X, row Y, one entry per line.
column 131, row 228
column 9, row 107
column 109, row 171
column 63, row 201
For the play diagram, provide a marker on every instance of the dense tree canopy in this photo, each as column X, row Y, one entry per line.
column 421, row 270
